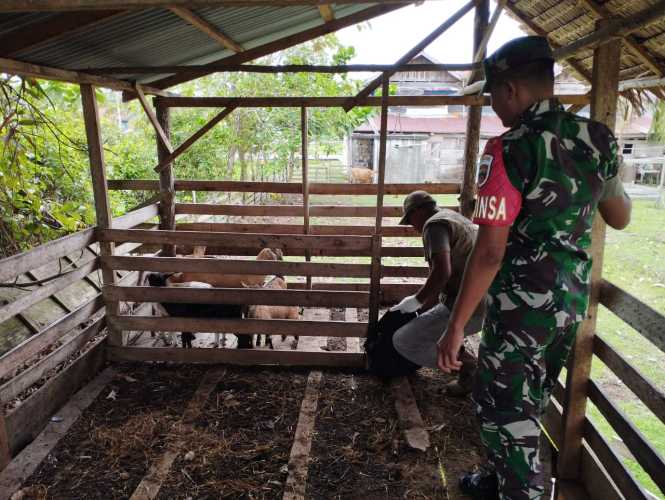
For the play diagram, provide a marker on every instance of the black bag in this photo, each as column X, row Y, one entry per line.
column 383, row 359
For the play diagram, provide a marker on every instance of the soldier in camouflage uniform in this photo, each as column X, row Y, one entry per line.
column 539, row 186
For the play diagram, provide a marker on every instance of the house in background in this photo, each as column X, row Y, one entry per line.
column 426, row 144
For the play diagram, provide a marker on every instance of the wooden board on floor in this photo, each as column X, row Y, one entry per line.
column 410, row 419
column 26, row 462
column 150, row 485
column 296, row 482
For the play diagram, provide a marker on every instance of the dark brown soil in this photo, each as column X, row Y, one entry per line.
column 242, row 440
column 109, row 449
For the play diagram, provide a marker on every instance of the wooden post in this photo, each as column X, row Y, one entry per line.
column 305, row 183
column 166, row 180
column 604, row 95
column 5, row 453
column 473, row 118
column 101, row 195
column 375, row 278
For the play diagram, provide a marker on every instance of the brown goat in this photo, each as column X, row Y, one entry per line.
column 274, row 312
column 361, row 175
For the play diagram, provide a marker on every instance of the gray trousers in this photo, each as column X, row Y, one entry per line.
column 417, row 340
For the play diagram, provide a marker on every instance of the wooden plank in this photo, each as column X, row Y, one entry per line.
column 238, row 356
column 136, row 217
column 604, row 96
column 100, row 189
column 304, row 154
column 162, row 137
column 472, row 142
column 208, row 28
column 11, row 267
column 14, row 67
column 408, row 413
column 645, row 454
column 26, row 463
column 245, row 326
column 336, row 102
column 21, row 303
column 31, row 375
column 375, row 275
column 296, row 481
column 284, row 187
column 200, row 69
column 643, row 318
column 64, row 5
column 246, row 210
column 386, row 251
column 26, row 421
column 189, row 142
column 318, row 230
column 648, row 393
column 409, row 55
column 229, row 266
column 256, row 241
column 236, row 296
column 151, row 483
column 620, row 475
column 5, row 452
column 52, row 28
column 32, row 345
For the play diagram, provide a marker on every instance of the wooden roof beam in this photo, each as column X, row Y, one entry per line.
column 283, row 43
column 417, row 49
column 207, row 28
column 64, row 5
column 52, row 28
column 578, row 68
column 615, row 28
column 631, row 42
column 21, row 68
column 326, row 13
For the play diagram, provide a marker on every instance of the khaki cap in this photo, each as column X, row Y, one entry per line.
column 413, row 201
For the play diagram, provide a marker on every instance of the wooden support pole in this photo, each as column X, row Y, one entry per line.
column 100, row 191
column 375, row 278
column 604, row 95
column 417, row 49
column 474, row 117
column 166, row 179
column 5, row 453
column 305, row 181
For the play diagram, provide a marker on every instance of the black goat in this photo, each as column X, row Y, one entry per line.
column 198, row 311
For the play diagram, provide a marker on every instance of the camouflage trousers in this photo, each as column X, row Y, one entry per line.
column 517, row 370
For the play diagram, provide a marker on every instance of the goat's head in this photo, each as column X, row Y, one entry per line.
column 157, row 279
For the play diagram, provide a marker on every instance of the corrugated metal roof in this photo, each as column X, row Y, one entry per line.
column 155, row 37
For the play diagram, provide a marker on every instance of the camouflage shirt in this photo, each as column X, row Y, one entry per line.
column 544, row 178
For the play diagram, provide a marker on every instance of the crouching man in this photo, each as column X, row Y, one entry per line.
column 448, row 238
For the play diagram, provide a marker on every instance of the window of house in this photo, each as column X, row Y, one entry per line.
column 628, row 148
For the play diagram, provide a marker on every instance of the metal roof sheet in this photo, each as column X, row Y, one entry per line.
column 155, row 37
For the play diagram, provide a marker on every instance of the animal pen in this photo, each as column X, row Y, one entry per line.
column 606, row 43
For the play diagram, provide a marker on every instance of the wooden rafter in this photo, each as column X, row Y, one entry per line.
column 209, row 29
column 417, row 49
column 631, row 42
column 161, row 135
column 283, row 43
column 578, row 68
column 20, row 68
column 198, row 69
column 616, row 27
column 52, row 28
column 64, row 5
column 326, row 13
column 489, row 30
column 193, row 138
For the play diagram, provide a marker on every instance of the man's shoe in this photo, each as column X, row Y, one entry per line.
column 480, row 485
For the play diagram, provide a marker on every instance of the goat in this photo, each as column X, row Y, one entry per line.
column 219, row 280
column 274, row 312
column 361, row 175
column 198, row 310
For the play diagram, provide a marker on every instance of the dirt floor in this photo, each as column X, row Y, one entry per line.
column 239, row 445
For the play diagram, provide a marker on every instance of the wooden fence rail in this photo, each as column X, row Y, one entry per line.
column 317, row 230
column 283, row 187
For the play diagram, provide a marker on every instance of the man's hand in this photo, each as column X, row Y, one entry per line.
column 408, row 304
column 450, row 344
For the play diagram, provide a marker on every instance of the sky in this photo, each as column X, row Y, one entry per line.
column 385, row 39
